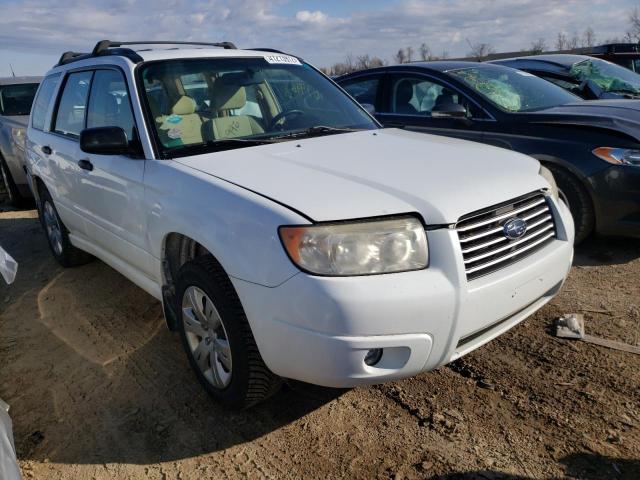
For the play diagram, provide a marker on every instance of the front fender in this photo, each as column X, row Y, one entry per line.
column 239, row 227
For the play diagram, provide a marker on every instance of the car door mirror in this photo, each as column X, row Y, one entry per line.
column 105, row 141
column 449, row 110
column 371, row 110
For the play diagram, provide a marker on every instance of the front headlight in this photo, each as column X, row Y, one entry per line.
column 358, row 248
column 618, row 156
column 548, row 176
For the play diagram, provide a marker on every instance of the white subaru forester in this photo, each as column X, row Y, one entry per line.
column 285, row 232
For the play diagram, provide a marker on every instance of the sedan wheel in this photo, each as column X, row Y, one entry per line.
column 207, row 337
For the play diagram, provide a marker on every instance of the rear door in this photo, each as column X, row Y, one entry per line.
column 62, row 150
column 409, row 99
column 111, row 186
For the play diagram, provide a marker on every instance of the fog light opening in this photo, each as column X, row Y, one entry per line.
column 373, row 356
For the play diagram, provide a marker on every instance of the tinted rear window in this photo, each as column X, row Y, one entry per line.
column 43, row 100
column 17, row 99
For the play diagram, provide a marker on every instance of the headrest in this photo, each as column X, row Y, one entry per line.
column 404, row 92
column 184, row 106
column 229, row 97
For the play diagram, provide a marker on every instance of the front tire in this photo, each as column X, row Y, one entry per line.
column 578, row 201
column 58, row 236
column 217, row 337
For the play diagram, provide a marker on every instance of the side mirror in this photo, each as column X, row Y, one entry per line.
column 369, row 108
column 105, row 141
column 449, row 110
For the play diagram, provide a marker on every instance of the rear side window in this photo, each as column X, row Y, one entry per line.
column 17, row 99
column 41, row 104
column 109, row 104
column 364, row 90
column 73, row 104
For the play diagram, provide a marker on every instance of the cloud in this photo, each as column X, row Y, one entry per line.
column 311, row 17
column 320, row 37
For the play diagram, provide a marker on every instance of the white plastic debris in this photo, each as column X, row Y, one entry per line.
column 8, row 267
column 570, row 325
column 9, row 469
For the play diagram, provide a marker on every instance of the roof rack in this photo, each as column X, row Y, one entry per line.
column 108, row 47
column 104, row 45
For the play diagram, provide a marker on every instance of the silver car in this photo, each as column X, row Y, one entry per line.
column 16, row 97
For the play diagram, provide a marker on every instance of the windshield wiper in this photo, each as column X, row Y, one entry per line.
column 217, row 146
column 628, row 91
column 315, row 131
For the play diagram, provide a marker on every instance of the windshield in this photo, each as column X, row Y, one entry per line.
column 608, row 76
column 17, row 99
column 513, row 90
column 233, row 102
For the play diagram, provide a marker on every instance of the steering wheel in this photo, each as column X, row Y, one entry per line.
column 282, row 115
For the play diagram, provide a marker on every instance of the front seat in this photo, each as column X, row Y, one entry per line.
column 227, row 98
column 183, row 126
column 404, row 94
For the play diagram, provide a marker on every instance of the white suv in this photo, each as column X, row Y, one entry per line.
column 285, row 232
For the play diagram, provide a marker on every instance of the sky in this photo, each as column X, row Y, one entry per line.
column 34, row 33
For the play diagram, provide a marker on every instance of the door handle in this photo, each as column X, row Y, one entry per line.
column 46, row 150
column 85, row 164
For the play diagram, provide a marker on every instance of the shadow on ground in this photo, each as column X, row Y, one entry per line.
column 93, row 375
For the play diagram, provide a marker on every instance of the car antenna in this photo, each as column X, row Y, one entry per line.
column 12, row 72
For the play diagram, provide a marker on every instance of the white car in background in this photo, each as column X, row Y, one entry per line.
column 16, row 97
column 297, row 239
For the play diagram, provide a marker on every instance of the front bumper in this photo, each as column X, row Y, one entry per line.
column 319, row 329
column 617, row 192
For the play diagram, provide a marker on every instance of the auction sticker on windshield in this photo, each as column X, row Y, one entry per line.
column 282, row 59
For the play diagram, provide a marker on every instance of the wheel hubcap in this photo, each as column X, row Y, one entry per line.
column 52, row 225
column 207, row 337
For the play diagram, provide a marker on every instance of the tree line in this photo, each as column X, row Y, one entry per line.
column 481, row 50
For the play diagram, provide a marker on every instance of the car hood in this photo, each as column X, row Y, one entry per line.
column 619, row 115
column 376, row 173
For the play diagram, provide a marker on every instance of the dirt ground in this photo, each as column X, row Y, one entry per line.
column 100, row 389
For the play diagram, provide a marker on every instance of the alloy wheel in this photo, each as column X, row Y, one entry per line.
column 52, row 225
column 207, row 337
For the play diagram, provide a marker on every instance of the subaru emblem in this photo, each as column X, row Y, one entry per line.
column 514, row 228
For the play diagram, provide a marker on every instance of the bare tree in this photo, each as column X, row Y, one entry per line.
column 480, row 51
column 425, row 52
column 400, row 57
column 634, row 22
column 588, row 38
column 409, row 54
column 562, row 42
column 573, row 42
column 538, row 46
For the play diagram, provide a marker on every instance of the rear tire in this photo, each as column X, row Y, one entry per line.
column 217, row 337
column 15, row 198
column 578, row 200
column 58, row 236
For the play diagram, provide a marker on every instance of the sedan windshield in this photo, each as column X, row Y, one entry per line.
column 204, row 105
column 608, row 76
column 513, row 90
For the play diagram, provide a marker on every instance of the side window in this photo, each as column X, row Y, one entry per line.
column 109, row 104
column 364, row 89
column 73, row 104
column 415, row 95
column 42, row 101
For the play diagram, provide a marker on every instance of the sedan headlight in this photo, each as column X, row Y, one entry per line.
column 618, row 156
column 548, row 176
column 358, row 248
